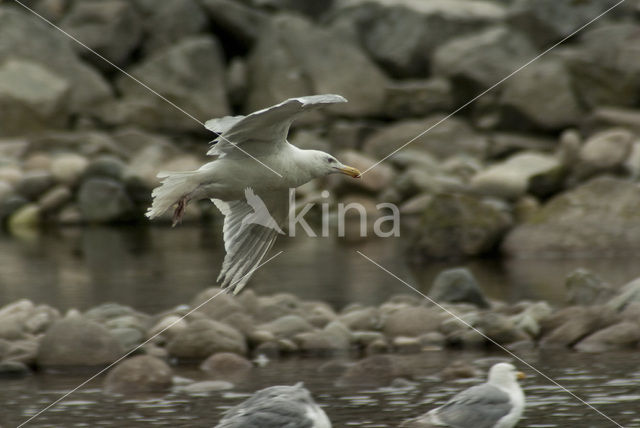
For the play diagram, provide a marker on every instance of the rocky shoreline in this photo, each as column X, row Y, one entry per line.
column 546, row 163
column 228, row 336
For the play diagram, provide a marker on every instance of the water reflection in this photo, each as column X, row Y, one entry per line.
column 156, row 268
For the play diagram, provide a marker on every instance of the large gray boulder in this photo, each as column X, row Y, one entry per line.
column 450, row 137
column 242, row 22
column 285, row 63
column 105, row 166
column 77, row 342
column 218, row 307
column 22, row 319
column 599, row 217
column 287, row 326
column 32, row 98
column 418, row 98
column 172, row 21
column 13, row 317
column 548, row 21
column 34, row 183
column 190, row 74
column 477, row 61
column 28, row 38
column 457, row 225
column 605, row 151
column 623, row 335
column 335, row 338
column 603, row 118
column 364, row 319
column 503, row 144
column 512, row 178
column 113, row 28
column 572, row 324
column 604, row 67
column 226, row 365
column 500, row 328
column 586, row 288
column 142, row 373
column 24, row 351
column 204, row 337
column 542, row 94
column 102, row 200
column 457, row 286
column 412, row 321
column 106, row 312
column 401, row 35
column 628, row 294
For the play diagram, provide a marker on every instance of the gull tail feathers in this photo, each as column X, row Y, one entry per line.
column 174, row 189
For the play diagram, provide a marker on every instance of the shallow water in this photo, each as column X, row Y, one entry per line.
column 153, row 269
column 610, row 384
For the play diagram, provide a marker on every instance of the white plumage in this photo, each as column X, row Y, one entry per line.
column 498, row 403
column 249, row 181
column 277, row 407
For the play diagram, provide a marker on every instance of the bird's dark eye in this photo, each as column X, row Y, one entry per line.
column 331, row 160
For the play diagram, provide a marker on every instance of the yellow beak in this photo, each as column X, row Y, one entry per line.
column 348, row 170
column 521, row 375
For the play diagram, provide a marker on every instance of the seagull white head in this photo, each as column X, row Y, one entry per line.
column 321, row 164
column 504, row 374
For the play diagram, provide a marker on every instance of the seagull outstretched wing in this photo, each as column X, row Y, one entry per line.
column 269, row 125
column 247, row 235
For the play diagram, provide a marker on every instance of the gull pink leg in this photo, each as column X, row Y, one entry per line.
column 178, row 213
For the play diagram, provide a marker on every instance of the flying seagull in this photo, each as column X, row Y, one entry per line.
column 277, row 407
column 253, row 160
column 498, row 403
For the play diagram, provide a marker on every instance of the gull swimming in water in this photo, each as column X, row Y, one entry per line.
column 498, row 403
column 253, row 161
column 277, row 407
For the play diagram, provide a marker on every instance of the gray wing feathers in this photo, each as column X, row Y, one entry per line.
column 278, row 413
column 234, row 212
column 269, row 125
column 478, row 407
column 222, row 124
column 245, row 244
column 249, row 256
column 274, row 407
column 320, row 99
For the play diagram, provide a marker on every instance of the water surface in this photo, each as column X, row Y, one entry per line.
column 609, row 384
column 156, row 268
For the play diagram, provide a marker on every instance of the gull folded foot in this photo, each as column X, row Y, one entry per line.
column 178, row 213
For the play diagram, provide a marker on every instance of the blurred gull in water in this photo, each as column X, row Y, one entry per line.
column 498, row 403
column 249, row 181
column 277, row 407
